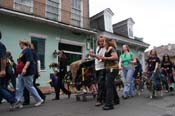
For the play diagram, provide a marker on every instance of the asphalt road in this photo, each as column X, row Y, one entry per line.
column 137, row 106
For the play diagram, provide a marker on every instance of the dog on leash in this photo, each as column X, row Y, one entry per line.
column 138, row 84
column 153, row 92
column 119, row 84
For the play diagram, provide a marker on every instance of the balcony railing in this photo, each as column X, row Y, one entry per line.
column 34, row 7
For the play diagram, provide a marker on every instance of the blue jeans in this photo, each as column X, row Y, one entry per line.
column 155, row 79
column 26, row 81
column 129, row 86
column 5, row 93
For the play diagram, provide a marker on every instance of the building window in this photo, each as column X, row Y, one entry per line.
column 39, row 45
column 53, row 9
column 73, row 52
column 24, row 5
column 108, row 22
column 76, row 12
column 130, row 31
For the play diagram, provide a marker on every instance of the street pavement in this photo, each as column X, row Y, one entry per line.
column 137, row 106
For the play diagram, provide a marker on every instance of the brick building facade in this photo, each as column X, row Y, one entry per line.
column 66, row 11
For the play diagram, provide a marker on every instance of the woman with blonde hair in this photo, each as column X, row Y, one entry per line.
column 100, row 70
column 126, row 62
column 110, row 59
column 26, row 74
column 36, row 76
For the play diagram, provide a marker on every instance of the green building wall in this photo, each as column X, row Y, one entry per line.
column 14, row 28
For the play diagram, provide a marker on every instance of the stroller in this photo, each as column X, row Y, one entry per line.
column 84, row 79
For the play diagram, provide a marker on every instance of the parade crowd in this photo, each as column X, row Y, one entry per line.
column 108, row 64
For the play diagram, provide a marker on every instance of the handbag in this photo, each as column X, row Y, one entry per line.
column 19, row 66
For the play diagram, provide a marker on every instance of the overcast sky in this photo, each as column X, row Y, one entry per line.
column 154, row 19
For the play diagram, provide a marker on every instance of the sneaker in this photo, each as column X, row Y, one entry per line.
column 39, row 103
column 108, row 107
column 124, row 97
column 84, row 90
column 98, row 104
column 20, row 105
column 16, row 105
column 166, row 91
column 12, row 107
column 44, row 98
